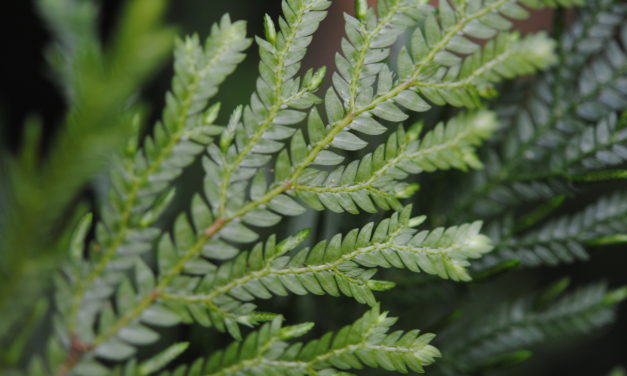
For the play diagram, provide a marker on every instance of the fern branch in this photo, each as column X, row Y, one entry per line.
column 197, row 76
column 524, row 323
column 528, row 139
column 343, row 266
column 378, row 175
column 503, row 57
column 562, row 240
column 364, row 343
column 366, row 43
column 583, row 157
column 597, row 147
column 276, row 89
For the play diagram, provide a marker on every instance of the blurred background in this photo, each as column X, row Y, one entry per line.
column 26, row 88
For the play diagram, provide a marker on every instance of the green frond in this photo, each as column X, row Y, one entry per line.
column 278, row 103
column 365, row 343
column 494, row 201
column 594, row 27
column 140, row 182
column 523, row 324
column 505, row 57
column 344, row 265
column 354, row 102
column 599, row 90
column 41, row 186
column 443, row 37
column 364, row 49
column 604, row 81
column 75, row 31
column 592, row 150
column 557, row 110
column 376, row 179
column 78, row 56
column 563, row 239
column 288, row 149
column 155, row 363
column 220, row 297
column 453, row 145
column 595, row 148
column 291, row 165
column 177, row 254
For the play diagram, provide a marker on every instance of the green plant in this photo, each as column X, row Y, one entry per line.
column 122, row 274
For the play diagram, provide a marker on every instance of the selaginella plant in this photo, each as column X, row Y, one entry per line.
column 123, row 276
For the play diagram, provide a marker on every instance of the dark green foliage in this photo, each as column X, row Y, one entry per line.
column 526, row 323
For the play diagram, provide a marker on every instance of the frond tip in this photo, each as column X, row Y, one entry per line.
column 376, row 180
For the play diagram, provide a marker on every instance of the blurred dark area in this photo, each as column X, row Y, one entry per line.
column 27, row 88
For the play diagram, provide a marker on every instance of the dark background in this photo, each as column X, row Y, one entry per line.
column 26, row 89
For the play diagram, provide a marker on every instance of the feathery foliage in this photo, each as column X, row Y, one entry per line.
column 556, row 142
column 526, row 323
column 141, row 181
column 128, row 277
column 344, row 266
column 38, row 190
column 363, row 343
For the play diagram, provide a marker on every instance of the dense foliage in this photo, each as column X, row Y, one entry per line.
column 414, row 176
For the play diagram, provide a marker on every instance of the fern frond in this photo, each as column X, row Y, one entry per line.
column 139, row 183
column 563, row 239
column 367, row 44
column 432, row 48
column 345, row 120
column 221, row 296
column 291, row 165
column 559, row 110
column 524, row 324
column 278, row 102
column 606, row 77
column 602, row 78
column 505, row 196
column 175, row 254
column 40, row 189
column 74, row 32
column 187, row 286
column 504, row 57
column 596, row 148
column 365, row 343
column 342, row 266
column 594, row 27
column 224, row 221
column 376, row 179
